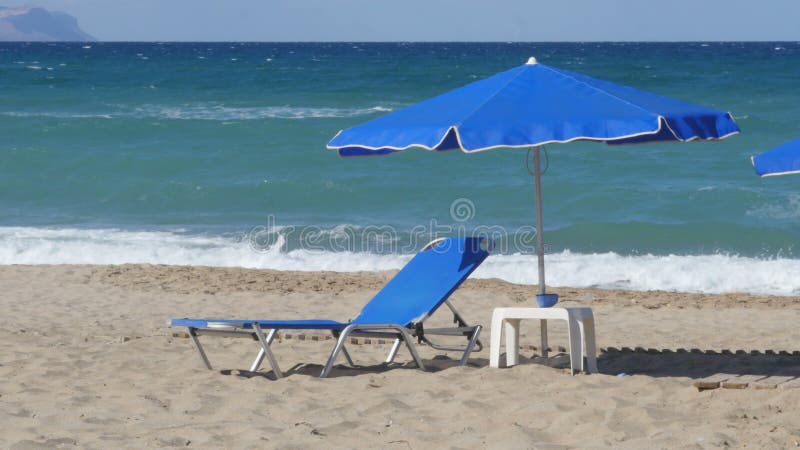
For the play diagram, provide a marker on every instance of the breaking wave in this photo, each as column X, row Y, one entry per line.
column 713, row 273
column 210, row 112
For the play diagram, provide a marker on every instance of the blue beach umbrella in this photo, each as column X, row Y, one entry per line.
column 530, row 106
column 781, row 160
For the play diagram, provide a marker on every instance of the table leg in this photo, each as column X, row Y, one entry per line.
column 512, row 341
column 590, row 349
column 543, row 326
column 497, row 335
column 575, row 344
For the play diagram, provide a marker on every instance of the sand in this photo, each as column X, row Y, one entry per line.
column 87, row 361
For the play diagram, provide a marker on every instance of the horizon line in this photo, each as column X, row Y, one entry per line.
column 99, row 41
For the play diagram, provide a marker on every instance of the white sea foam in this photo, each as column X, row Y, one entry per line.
column 211, row 112
column 219, row 112
column 701, row 273
column 56, row 114
column 26, row 245
column 714, row 273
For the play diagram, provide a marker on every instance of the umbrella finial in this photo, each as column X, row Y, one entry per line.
column 531, row 61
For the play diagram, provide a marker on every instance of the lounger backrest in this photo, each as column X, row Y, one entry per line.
column 425, row 282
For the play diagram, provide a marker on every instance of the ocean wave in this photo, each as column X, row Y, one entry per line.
column 710, row 274
column 713, row 273
column 56, row 114
column 219, row 112
column 211, row 113
column 788, row 210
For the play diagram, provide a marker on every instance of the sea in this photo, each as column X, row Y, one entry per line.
column 215, row 154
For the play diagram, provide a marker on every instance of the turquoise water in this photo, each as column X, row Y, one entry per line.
column 175, row 153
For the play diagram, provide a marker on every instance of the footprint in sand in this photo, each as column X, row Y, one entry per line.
column 101, row 421
column 172, row 442
column 46, row 445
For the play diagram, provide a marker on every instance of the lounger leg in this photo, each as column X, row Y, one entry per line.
column 393, row 351
column 267, row 351
column 410, row 344
column 199, row 347
column 462, row 322
column 336, row 349
column 404, row 335
column 470, row 345
column 261, row 353
column 344, row 350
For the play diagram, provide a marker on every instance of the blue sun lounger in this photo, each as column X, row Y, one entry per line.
column 397, row 311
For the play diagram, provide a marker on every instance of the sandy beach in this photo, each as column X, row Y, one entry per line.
column 88, row 361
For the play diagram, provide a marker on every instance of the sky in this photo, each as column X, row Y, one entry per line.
column 431, row 20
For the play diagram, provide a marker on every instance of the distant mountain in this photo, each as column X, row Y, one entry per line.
column 39, row 24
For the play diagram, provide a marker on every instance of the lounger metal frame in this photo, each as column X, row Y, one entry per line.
column 400, row 334
column 341, row 332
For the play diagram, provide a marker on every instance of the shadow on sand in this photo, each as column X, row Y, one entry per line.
column 695, row 364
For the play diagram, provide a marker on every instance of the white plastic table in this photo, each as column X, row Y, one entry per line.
column 580, row 323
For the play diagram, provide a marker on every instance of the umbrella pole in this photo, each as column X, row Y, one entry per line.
column 537, row 182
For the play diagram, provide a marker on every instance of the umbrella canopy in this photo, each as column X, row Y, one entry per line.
column 533, row 105
column 530, row 106
column 781, row 160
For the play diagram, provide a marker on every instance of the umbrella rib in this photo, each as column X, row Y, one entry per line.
column 658, row 116
column 451, row 127
column 464, row 119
